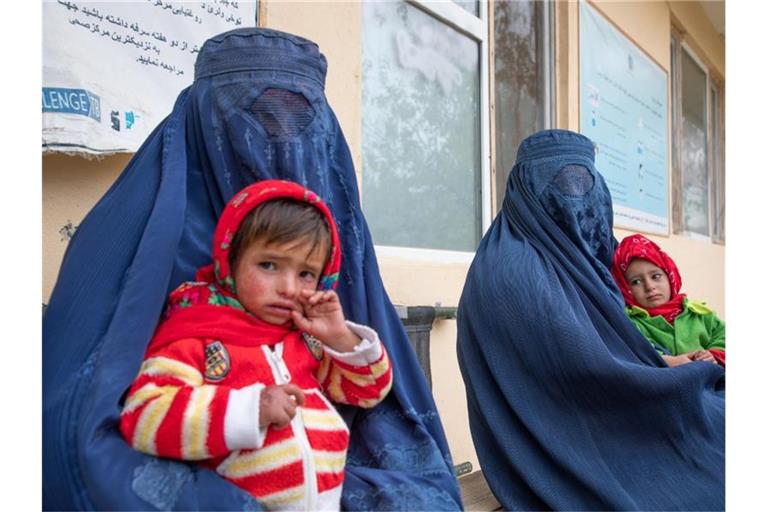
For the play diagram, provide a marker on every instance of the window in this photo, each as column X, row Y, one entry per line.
column 472, row 6
column 523, row 80
column 698, row 204
column 718, row 166
column 426, row 117
column 423, row 124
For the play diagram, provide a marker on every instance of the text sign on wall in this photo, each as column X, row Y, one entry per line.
column 112, row 70
column 623, row 109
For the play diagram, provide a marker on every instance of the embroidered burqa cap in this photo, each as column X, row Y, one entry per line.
column 256, row 110
column 570, row 407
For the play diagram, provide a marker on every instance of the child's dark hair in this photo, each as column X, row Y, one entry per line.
column 282, row 220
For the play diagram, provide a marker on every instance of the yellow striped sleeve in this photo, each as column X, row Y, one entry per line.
column 333, row 386
column 196, row 423
column 146, row 393
column 163, row 366
column 385, row 390
column 380, row 368
column 358, row 379
column 149, row 421
column 325, row 364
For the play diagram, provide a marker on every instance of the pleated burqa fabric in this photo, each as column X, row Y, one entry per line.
column 570, row 407
column 255, row 111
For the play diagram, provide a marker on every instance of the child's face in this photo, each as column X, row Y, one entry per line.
column 648, row 283
column 269, row 277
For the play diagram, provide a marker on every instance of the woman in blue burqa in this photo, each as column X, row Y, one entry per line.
column 570, row 407
column 256, row 110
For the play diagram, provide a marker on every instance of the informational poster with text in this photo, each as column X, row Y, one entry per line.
column 112, row 70
column 623, row 109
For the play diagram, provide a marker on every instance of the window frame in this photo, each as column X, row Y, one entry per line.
column 714, row 143
column 474, row 27
column 548, row 69
column 480, row 30
column 717, row 156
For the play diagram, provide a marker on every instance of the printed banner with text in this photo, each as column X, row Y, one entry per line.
column 112, row 70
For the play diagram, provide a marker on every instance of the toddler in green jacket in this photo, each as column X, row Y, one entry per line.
column 681, row 330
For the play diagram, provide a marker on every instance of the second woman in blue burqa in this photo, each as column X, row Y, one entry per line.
column 570, row 407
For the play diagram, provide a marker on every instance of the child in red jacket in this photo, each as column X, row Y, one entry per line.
column 240, row 369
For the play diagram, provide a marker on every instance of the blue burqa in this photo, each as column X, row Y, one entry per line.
column 256, row 110
column 570, row 407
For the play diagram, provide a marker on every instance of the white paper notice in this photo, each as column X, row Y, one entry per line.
column 112, row 70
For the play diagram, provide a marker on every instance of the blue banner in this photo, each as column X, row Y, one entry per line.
column 72, row 101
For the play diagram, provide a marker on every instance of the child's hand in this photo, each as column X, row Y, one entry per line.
column 673, row 361
column 323, row 318
column 277, row 405
column 703, row 355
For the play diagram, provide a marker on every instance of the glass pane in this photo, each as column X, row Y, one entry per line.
column 469, row 5
column 421, row 130
column 694, row 148
column 718, row 199
column 519, row 81
column 674, row 47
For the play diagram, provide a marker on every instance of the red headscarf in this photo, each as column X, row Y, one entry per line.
column 638, row 246
column 209, row 306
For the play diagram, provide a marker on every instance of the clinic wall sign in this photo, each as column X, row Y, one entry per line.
column 623, row 108
column 112, row 70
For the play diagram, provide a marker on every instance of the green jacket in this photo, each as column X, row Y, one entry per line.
column 696, row 327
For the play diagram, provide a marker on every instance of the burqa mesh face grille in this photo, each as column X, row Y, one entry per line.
column 282, row 113
column 574, row 180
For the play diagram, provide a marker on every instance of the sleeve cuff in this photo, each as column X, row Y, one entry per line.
column 366, row 352
column 241, row 422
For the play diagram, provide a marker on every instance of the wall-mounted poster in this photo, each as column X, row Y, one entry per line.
column 112, row 70
column 623, row 109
